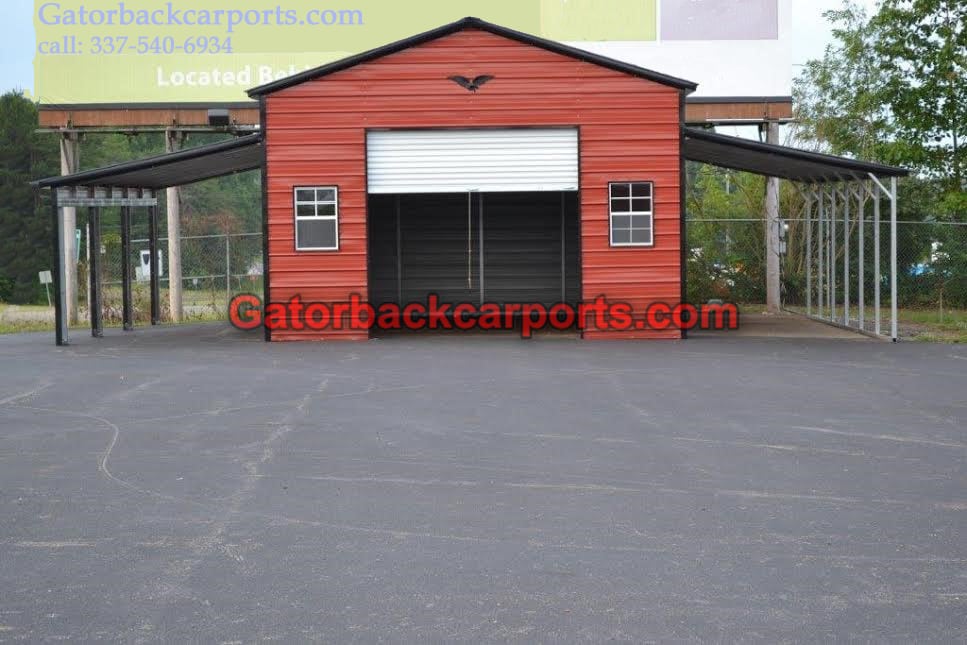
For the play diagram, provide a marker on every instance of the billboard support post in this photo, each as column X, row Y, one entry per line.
column 772, row 241
column 70, row 164
column 173, row 142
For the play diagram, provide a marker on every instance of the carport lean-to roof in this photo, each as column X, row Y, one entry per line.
column 829, row 185
column 129, row 185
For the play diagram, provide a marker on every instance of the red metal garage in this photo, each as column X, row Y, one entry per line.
column 474, row 161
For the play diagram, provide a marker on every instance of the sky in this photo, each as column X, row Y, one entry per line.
column 812, row 34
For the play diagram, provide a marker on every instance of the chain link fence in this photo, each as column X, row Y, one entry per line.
column 215, row 268
column 727, row 262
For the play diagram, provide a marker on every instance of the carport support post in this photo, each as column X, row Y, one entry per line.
column 126, row 304
column 878, row 275
column 894, row 308
column 831, row 257
column 173, row 142
column 60, row 262
column 861, row 278
column 773, row 275
column 846, row 237
column 154, row 264
column 94, row 267
column 821, row 251
column 809, row 252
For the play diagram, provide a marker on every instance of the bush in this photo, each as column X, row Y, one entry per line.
column 6, row 289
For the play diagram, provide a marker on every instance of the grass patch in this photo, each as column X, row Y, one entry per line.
column 934, row 326
column 23, row 328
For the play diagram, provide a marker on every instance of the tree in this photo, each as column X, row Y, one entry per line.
column 921, row 47
column 893, row 88
column 841, row 99
column 25, row 222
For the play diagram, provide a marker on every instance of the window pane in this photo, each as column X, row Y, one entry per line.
column 305, row 210
column 641, row 205
column 317, row 234
column 641, row 189
column 326, row 195
column 305, row 195
column 621, row 221
column 641, row 236
column 640, row 221
column 327, row 209
column 620, row 237
column 620, row 190
column 620, row 205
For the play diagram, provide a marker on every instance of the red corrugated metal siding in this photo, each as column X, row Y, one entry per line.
column 629, row 131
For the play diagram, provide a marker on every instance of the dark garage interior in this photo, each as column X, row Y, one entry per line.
column 475, row 247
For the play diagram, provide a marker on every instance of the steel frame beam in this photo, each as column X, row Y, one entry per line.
column 127, row 304
column 155, row 265
column 62, row 328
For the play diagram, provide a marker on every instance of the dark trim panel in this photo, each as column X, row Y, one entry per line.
column 266, row 275
column 461, row 25
column 682, row 211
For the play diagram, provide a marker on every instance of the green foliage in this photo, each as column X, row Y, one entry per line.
column 726, row 260
column 921, row 49
column 24, row 219
column 841, row 98
column 225, row 205
column 6, row 289
column 893, row 88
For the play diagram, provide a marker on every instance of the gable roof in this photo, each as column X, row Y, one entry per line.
column 483, row 25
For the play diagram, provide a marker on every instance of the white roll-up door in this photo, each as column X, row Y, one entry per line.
column 454, row 161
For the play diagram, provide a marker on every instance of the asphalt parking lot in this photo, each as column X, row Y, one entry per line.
column 197, row 485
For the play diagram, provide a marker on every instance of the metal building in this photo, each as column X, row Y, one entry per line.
column 477, row 163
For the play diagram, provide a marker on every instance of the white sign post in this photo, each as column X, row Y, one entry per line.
column 46, row 279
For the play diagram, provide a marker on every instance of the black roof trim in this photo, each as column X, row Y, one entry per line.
column 92, row 177
column 836, row 165
column 461, row 25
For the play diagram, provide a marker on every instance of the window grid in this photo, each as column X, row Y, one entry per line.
column 317, row 204
column 631, row 208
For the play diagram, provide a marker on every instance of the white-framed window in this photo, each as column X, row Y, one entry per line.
column 316, row 218
column 632, row 208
